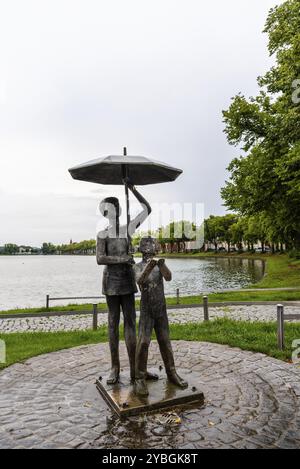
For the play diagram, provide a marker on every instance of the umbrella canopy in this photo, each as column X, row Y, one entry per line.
column 111, row 169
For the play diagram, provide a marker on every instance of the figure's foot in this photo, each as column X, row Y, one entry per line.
column 140, row 387
column 174, row 377
column 151, row 376
column 114, row 376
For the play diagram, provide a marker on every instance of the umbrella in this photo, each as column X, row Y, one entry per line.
column 114, row 169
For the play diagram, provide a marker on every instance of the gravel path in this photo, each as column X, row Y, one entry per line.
column 177, row 316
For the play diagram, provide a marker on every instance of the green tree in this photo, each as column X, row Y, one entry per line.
column 176, row 234
column 251, row 233
column 48, row 248
column 225, row 232
column 11, row 248
column 217, row 229
column 266, row 178
column 237, row 233
column 212, row 230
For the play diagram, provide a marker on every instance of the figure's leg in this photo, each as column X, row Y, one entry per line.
column 128, row 308
column 151, row 376
column 143, row 342
column 161, row 328
column 113, row 303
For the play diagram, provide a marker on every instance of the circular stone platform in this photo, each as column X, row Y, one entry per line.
column 252, row 401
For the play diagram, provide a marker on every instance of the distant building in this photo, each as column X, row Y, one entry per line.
column 25, row 250
column 192, row 246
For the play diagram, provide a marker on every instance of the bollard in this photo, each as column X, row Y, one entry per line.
column 280, row 326
column 95, row 317
column 47, row 301
column 205, row 308
column 177, row 296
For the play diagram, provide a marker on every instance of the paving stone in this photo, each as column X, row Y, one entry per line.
column 252, row 401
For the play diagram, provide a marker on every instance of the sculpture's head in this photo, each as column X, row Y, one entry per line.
column 110, row 208
column 148, row 246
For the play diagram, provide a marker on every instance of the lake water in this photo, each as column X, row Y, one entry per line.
column 25, row 281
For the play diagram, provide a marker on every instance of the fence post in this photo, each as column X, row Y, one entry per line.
column 177, row 296
column 280, row 326
column 95, row 317
column 47, row 301
column 205, row 308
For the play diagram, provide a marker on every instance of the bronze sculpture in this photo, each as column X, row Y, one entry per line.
column 129, row 394
column 114, row 251
column 150, row 275
column 119, row 285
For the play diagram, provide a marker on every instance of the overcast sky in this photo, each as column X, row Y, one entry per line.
column 82, row 79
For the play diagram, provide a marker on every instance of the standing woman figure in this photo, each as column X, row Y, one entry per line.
column 113, row 251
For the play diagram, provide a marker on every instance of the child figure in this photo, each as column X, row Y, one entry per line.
column 150, row 274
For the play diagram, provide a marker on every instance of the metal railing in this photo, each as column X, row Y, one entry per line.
column 63, row 298
column 99, row 297
column 94, row 311
column 281, row 317
column 178, row 294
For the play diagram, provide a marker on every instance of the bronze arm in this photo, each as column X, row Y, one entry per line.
column 146, row 272
column 141, row 217
column 164, row 270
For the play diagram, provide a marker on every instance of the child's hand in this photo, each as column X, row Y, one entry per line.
column 129, row 259
column 151, row 263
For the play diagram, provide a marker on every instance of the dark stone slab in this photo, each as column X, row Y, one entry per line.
column 162, row 394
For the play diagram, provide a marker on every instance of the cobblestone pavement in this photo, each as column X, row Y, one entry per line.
column 178, row 316
column 252, row 401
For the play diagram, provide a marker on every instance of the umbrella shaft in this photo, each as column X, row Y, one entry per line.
column 125, row 175
column 127, row 210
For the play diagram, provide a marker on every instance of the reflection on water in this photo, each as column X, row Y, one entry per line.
column 25, row 281
column 206, row 275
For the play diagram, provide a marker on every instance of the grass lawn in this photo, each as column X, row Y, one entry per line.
column 257, row 337
column 281, row 271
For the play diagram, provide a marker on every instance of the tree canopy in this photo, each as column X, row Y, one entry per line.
column 265, row 179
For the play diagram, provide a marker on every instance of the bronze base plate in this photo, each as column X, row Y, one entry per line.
column 162, row 394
